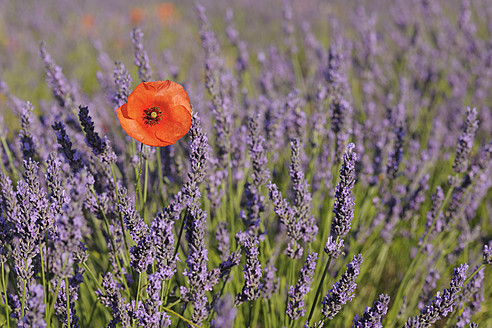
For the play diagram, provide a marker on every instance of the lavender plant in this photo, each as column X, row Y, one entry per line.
column 323, row 134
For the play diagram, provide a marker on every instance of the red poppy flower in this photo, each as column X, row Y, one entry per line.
column 157, row 113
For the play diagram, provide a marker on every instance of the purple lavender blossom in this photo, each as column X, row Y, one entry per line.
column 302, row 196
column 429, row 286
column 443, row 304
column 434, row 219
column 242, row 58
column 344, row 201
column 257, row 152
column 62, row 90
column 415, row 198
column 214, row 82
column 71, row 155
column 134, row 223
column 470, row 298
column 396, row 155
column 58, row 195
column 61, row 301
column 252, row 272
column 226, row 312
column 34, row 317
column 232, row 260
column 27, row 140
column 92, row 137
column 334, row 248
column 148, row 314
column 111, row 297
column 122, row 83
column 287, row 217
column 373, row 316
column 342, row 291
column 340, row 108
column 213, row 61
column 465, row 141
column 141, row 57
column 254, row 200
column 8, row 206
column 162, row 238
column 288, row 27
column 199, row 279
column 223, row 243
column 271, row 284
column 487, row 254
column 296, row 307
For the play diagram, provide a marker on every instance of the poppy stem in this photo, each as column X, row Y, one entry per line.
column 159, row 171
column 145, row 186
column 137, row 187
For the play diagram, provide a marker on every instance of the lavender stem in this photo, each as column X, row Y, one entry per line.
column 23, row 298
column 138, row 293
column 127, row 249
column 180, row 317
column 5, row 293
column 318, row 290
column 106, row 222
column 43, row 279
column 68, row 301
column 86, row 267
column 398, row 298
column 9, row 157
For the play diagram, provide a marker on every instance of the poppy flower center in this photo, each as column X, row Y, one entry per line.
column 152, row 116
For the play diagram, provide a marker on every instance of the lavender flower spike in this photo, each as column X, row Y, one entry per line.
column 372, row 316
column 465, row 142
column 487, row 254
column 122, row 82
column 342, row 291
column 252, row 272
column 34, row 317
column 296, row 306
column 141, row 57
column 226, row 313
column 344, row 201
column 441, row 305
column 71, row 155
column 91, row 136
column 57, row 82
column 26, row 137
column 302, row 198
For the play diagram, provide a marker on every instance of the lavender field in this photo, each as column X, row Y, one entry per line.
column 337, row 172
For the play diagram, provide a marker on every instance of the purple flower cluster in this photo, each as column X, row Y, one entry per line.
column 344, row 204
column 443, row 303
column 342, row 291
column 252, row 272
column 205, row 247
column 296, row 306
column 465, row 142
column 141, row 57
column 373, row 316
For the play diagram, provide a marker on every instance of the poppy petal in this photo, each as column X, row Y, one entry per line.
column 175, row 124
column 133, row 128
column 174, row 113
column 140, row 99
column 172, row 95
